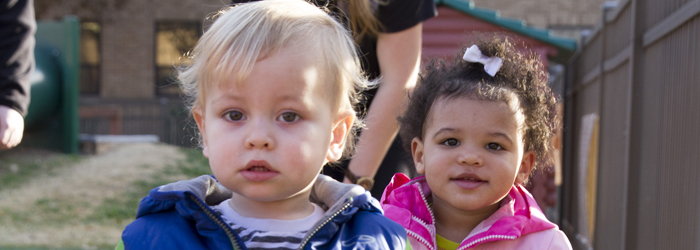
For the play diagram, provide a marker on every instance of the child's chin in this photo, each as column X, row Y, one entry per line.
column 268, row 194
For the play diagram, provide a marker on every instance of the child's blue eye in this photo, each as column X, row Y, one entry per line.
column 450, row 142
column 494, row 146
column 234, row 116
column 289, row 117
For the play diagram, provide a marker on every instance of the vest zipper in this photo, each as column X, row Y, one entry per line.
column 218, row 222
column 425, row 201
column 500, row 237
column 421, row 239
column 432, row 217
column 347, row 204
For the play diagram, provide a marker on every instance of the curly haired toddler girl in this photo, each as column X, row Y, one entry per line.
column 476, row 130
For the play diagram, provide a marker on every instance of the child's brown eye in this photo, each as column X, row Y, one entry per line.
column 289, row 117
column 234, row 116
column 450, row 142
column 494, row 146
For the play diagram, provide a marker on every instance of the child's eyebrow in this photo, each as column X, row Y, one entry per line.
column 289, row 98
column 226, row 96
column 444, row 130
column 502, row 135
column 237, row 97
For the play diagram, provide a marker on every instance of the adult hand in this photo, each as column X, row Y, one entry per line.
column 11, row 127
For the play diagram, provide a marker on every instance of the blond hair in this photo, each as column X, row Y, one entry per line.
column 361, row 18
column 243, row 34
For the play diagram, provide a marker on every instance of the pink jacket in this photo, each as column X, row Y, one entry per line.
column 518, row 224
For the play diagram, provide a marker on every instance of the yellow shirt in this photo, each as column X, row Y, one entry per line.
column 445, row 244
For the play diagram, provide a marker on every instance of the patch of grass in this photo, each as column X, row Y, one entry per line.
column 53, row 212
column 13, row 215
column 114, row 209
column 58, row 211
column 195, row 164
column 18, row 168
column 124, row 207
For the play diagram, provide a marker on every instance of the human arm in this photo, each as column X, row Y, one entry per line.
column 398, row 54
column 17, row 27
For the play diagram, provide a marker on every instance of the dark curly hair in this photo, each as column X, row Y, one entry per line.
column 522, row 76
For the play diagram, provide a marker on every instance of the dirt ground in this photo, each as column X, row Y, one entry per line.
column 81, row 187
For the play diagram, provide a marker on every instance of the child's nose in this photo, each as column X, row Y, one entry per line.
column 259, row 136
column 471, row 158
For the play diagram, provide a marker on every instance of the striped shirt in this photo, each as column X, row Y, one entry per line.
column 268, row 233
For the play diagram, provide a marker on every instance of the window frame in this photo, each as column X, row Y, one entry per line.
column 161, row 88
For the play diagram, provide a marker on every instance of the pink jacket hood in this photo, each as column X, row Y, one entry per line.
column 405, row 202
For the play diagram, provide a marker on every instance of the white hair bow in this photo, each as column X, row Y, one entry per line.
column 491, row 64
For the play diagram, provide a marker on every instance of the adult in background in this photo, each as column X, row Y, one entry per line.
column 388, row 33
column 17, row 27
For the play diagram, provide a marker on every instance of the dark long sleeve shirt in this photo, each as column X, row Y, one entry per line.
column 17, row 27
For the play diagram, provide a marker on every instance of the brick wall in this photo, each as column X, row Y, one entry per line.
column 127, row 70
column 128, row 30
column 128, row 35
column 562, row 17
column 545, row 13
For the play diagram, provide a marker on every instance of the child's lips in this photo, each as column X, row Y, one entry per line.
column 468, row 181
column 258, row 171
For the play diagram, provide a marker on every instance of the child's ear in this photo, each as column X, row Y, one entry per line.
column 526, row 166
column 417, row 153
column 199, row 118
column 341, row 128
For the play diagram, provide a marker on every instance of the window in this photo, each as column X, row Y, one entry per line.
column 173, row 40
column 90, row 58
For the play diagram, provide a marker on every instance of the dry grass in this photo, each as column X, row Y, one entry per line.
column 83, row 202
